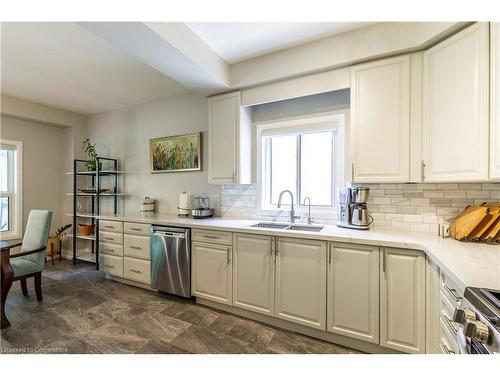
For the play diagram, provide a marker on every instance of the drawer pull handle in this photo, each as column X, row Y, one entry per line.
column 136, row 229
column 109, row 226
column 108, row 266
column 452, row 293
column 135, row 271
column 110, row 250
column 450, row 324
column 109, row 238
column 136, row 247
column 209, row 236
column 446, row 349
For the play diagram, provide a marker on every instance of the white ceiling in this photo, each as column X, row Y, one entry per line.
column 237, row 41
column 63, row 65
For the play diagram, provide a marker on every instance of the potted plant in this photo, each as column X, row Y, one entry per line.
column 53, row 244
column 91, row 153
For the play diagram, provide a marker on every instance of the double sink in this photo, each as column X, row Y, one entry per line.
column 299, row 227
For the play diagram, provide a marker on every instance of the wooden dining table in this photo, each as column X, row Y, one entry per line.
column 7, row 276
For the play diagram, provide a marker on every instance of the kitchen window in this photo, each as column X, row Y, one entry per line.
column 10, row 189
column 304, row 155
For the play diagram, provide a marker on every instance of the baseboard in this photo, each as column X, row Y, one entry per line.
column 348, row 342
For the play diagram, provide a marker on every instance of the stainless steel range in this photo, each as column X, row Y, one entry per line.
column 479, row 319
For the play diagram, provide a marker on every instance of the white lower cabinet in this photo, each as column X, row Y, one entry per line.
column 137, row 270
column 402, row 300
column 211, row 273
column 301, row 282
column 111, row 264
column 253, row 273
column 353, row 291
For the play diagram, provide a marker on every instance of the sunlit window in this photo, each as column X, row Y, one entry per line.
column 10, row 189
column 305, row 158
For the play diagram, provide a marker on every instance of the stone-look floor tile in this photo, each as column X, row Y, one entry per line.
column 191, row 313
column 70, row 345
column 157, row 325
column 289, row 342
column 116, row 338
column 202, row 341
column 157, row 346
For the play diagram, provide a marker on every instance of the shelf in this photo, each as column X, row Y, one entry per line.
column 93, row 173
column 86, row 257
column 91, row 216
column 83, row 237
column 100, row 194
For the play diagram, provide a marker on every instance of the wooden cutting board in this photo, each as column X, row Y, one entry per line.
column 493, row 233
column 467, row 221
column 487, row 223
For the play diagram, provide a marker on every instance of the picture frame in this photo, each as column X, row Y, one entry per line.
column 179, row 153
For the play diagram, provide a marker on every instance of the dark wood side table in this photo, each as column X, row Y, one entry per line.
column 7, row 276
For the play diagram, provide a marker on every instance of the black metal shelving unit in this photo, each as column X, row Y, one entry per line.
column 96, row 176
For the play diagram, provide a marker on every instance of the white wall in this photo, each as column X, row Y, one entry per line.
column 125, row 134
column 43, row 151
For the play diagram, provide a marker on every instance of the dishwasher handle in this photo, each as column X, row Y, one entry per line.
column 169, row 234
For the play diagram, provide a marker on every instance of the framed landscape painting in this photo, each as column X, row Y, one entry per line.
column 175, row 154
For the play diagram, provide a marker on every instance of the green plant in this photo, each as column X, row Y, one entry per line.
column 60, row 232
column 91, row 153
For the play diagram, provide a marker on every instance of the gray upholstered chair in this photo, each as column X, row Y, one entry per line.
column 30, row 260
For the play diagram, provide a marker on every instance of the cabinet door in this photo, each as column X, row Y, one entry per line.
column 253, row 273
column 301, row 282
column 380, row 107
column 353, row 291
column 211, row 272
column 223, row 122
column 455, row 107
column 495, row 102
column 402, row 300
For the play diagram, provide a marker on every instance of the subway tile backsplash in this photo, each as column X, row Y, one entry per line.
column 411, row 207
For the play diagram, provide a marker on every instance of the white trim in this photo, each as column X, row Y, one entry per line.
column 308, row 122
column 17, row 194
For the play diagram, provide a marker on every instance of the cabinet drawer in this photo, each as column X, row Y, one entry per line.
column 111, row 264
column 111, row 249
column 448, row 337
column 450, row 290
column 136, row 228
column 111, row 226
column 212, row 236
column 137, row 270
column 136, row 246
column 111, row 237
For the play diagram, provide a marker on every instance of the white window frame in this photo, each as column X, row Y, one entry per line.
column 16, row 198
column 329, row 120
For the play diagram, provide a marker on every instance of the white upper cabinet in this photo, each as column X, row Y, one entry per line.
column 402, row 300
column 380, row 122
column 253, row 273
column 353, row 291
column 229, row 140
column 495, row 102
column 455, row 107
column 301, row 282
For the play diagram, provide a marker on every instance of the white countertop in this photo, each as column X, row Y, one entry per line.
column 470, row 264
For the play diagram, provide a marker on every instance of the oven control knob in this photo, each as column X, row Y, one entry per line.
column 462, row 315
column 476, row 330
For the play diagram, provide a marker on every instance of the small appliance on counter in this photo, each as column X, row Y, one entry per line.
column 353, row 212
column 202, row 208
column 147, row 207
column 183, row 207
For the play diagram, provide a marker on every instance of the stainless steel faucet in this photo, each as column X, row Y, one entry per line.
column 292, row 211
column 310, row 220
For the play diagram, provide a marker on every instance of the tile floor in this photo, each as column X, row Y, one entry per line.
column 82, row 312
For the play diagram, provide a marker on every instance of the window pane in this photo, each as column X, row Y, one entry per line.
column 4, row 167
column 283, row 166
column 316, row 168
column 4, row 214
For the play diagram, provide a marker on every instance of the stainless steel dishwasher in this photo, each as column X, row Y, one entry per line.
column 171, row 260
